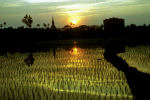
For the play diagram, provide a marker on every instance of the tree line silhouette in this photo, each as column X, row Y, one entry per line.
column 68, row 32
column 138, row 34
column 128, row 35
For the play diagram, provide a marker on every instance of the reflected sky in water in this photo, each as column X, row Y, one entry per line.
column 70, row 69
column 77, row 56
column 73, row 66
column 76, row 51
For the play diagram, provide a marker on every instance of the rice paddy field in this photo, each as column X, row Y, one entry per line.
column 73, row 74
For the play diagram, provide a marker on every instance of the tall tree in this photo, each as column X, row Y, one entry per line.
column 1, row 25
column 45, row 25
column 38, row 25
column 27, row 20
column 4, row 24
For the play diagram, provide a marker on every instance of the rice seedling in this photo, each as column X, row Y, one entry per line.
column 79, row 74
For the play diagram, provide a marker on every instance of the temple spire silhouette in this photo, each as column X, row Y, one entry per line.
column 53, row 23
column 53, row 27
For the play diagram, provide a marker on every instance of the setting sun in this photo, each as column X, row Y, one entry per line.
column 74, row 21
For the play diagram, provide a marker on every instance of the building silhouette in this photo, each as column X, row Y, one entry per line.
column 114, row 24
column 53, row 27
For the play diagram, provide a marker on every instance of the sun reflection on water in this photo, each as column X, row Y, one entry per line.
column 75, row 59
column 74, row 51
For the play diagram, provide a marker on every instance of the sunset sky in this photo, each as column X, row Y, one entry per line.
column 89, row 12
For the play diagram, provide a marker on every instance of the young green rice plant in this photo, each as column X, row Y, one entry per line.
column 138, row 57
column 72, row 75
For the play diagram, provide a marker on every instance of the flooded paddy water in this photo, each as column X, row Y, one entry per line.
column 73, row 73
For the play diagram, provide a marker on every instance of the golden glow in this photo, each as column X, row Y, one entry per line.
column 74, row 21
column 74, row 51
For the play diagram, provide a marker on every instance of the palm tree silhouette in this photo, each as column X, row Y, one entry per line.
column 45, row 25
column 4, row 24
column 38, row 25
column 1, row 25
column 27, row 20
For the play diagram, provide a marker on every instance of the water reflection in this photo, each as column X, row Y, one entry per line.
column 74, row 51
column 54, row 51
column 75, row 42
column 74, row 70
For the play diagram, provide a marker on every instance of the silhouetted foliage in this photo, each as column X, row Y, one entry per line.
column 4, row 24
column 114, row 24
column 1, row 25
column 27, row 20
column 38, row 25
column 138, row 34
column 45, row 25
column 27, row 39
